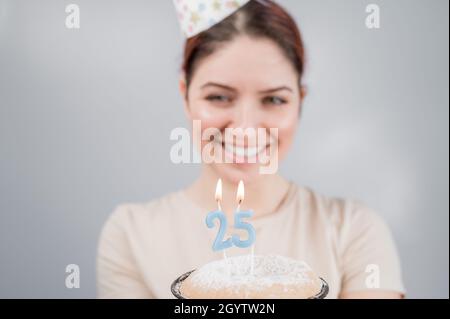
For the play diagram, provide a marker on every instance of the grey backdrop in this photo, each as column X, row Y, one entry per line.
column 86, row 116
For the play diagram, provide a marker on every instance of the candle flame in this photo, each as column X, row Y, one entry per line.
column 240, row 192
column 219, row 190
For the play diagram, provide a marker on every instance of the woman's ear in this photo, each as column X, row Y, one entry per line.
column 182, row 86
column 303, row 92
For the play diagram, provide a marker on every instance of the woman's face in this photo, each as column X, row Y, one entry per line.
column 248, row 83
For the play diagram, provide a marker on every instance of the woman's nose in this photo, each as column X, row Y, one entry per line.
column 246, row 115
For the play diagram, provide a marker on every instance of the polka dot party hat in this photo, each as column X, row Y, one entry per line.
column 196, row 16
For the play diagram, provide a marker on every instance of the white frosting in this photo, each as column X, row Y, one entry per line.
column 237, row 272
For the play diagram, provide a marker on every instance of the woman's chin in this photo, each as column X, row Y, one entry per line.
column 235, row 172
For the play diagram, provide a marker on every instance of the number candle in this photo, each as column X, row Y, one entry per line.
column 222, row 244
column 218, row 195
column 219, row 243
column 239, row 224
column 242, row 225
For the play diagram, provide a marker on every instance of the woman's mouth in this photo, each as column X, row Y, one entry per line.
column 243, row 151
column 242, row 154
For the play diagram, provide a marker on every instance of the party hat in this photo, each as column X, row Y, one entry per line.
column 196, row 16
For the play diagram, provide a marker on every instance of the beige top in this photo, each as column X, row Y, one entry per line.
column 143, row 248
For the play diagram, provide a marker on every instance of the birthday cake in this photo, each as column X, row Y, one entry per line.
column 251, row 277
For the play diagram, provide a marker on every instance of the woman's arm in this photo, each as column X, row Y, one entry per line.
column 369, row 260
column 117, row 273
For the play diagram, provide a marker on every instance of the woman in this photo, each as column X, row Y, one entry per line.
column 245, row 71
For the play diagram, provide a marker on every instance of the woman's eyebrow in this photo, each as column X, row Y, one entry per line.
column 281, row 88
column 229, row 88
column 222, row 86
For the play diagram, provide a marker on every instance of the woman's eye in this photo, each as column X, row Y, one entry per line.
column 218, row 98
column 274, row 100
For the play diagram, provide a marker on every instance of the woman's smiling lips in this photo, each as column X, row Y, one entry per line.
column 242, row 154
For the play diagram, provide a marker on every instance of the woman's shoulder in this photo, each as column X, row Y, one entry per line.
column 350, row 221
column 360, row 238
column 339, row 211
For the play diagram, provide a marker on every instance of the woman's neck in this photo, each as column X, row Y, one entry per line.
column 263, row 196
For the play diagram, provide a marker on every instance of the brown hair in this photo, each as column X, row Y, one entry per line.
column 258, row 18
